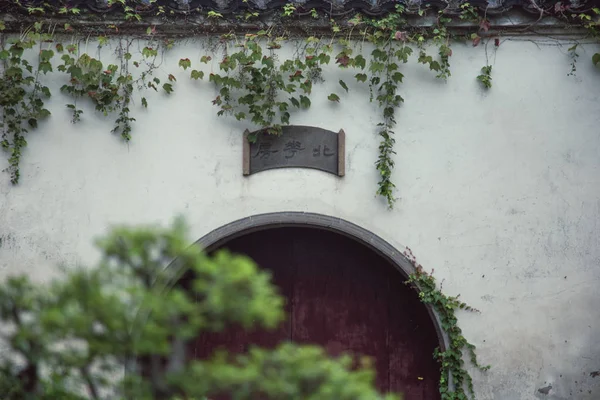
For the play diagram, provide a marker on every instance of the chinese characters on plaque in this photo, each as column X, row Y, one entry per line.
column 296, row 147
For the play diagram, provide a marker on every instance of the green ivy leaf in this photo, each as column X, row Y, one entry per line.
column 149, row 52
column 306, row 86
column 46, row 54
column 304, row 102
column 216, row 78
column 205, row 59
column 397, row 77
column 360, row 61
column 445, row 51
column 596, row 58
column 403, row 53
column 45, row 67
column 388, row 112
column 434, row 66
column 4, row 55
column 378, row 54
column 424, row 58
column 197, row 74
column 377, row 67
column 295, row 102
column 168, row 88
column 343, row 84
column 361, row 77
column 333, row 97
column 252, row 137
column 268, row 62
column 144, row 102
column 185, row 63
column 324, row 58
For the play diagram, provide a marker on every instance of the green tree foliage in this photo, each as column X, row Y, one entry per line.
column 120, row 330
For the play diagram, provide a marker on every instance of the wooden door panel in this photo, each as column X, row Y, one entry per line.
column 411, row 339
column 340, row 298
column 345, row 297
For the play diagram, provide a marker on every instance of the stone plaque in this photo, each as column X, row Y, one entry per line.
column 297, row 147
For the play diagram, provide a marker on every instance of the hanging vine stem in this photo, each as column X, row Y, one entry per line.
column 452, row 365
column 256, row 86
column 22, row 94
column 250, row 82
column 265, row 89
column 125, row 81
column 384, row 81
column 110, row 87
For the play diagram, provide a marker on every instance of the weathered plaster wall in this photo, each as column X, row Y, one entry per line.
column 499, row 191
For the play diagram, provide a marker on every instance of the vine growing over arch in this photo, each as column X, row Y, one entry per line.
column 456, row 382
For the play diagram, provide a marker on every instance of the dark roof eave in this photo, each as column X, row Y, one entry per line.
column 514, row 17
column 334, row 8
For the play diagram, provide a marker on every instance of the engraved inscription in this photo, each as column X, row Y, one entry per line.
column 292, row 147
column 326, row 151
column 264, row 150
column 296, row 147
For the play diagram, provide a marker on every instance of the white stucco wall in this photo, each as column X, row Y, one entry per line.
column 499, row 191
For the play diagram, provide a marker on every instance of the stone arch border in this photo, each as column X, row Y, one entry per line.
column 260, row 222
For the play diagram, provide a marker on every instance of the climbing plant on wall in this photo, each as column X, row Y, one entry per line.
column 255, row 84
column 455, row 381
column 22, row 96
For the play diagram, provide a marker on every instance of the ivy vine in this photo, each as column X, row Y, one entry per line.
column 110, row 87
column 592, row 23
column 385, row 80
column 486, row 76
column 22, row 95
column 455, row 381
column 254, row 84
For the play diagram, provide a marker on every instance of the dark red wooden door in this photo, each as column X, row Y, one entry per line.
column 346, row 298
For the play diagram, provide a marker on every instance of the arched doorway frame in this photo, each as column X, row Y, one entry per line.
column 220, row 236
